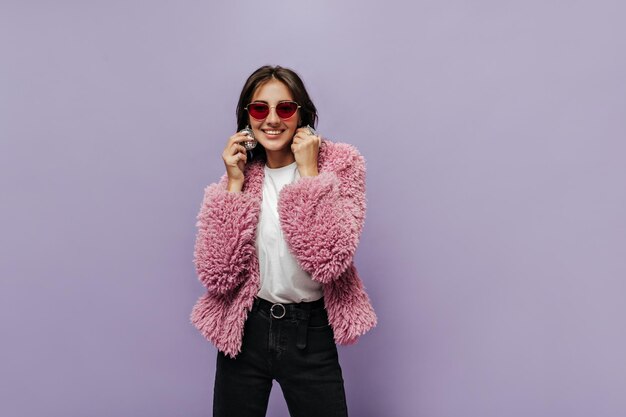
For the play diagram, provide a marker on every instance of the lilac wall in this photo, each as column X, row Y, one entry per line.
column 495, row 243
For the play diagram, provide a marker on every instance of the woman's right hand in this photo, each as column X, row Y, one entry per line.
column 235, row 159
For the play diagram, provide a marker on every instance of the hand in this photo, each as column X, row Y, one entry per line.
column 235, row 158
column 305, row 148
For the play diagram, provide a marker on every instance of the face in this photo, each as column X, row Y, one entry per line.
column 274, row 133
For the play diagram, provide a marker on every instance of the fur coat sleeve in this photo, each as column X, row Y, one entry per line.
column 322, row 217
column 225, row 239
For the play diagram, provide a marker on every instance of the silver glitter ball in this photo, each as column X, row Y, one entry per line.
column 311, row 130
column 249, row 144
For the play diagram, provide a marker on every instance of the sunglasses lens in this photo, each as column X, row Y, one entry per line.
column 258, row 110
column 286, row 109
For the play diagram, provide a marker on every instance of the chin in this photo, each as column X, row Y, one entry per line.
column 273, row 147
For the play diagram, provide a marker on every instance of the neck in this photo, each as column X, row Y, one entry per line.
column 279, row 159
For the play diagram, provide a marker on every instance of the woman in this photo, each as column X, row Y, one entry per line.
column 275, row 245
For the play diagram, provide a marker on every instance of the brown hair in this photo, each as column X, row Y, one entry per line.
column 308, row 112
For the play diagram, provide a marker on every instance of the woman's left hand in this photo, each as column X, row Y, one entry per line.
column 305, row 148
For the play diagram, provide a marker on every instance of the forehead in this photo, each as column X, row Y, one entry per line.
column 272, row 91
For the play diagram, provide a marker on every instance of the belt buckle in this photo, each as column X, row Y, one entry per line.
column 274, row 314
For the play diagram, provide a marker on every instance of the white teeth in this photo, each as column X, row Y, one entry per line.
column 272, row 132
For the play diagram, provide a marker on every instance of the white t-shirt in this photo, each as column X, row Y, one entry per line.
column 282, row 278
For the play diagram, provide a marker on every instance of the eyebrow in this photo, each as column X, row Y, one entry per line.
column 267, row 102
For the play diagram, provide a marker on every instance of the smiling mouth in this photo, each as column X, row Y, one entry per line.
column 272, row 132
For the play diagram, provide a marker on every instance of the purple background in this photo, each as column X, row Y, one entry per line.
column 495, row 243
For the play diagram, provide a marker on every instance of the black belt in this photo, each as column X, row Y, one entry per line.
column 287, row 311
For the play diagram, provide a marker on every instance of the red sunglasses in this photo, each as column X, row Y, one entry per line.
column 284, row 109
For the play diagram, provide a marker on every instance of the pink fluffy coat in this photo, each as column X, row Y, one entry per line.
column 321, row 218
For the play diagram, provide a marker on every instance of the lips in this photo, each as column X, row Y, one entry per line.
column 272, row 132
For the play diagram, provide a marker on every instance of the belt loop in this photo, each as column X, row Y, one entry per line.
column 255, row 305
column 303, row 326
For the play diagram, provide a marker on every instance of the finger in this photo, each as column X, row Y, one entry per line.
column 236, row 147
column 303, row 139
column 231, row 157
column 302, row 136
column 235, row 137
column 239, row 137
column 239, row 156
column 234, row 156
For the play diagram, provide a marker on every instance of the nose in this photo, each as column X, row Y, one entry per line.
column 273, row 118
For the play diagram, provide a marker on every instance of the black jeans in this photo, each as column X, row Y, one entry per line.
column 297, row 350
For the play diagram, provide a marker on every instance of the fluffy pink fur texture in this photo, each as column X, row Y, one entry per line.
column 321, row 218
